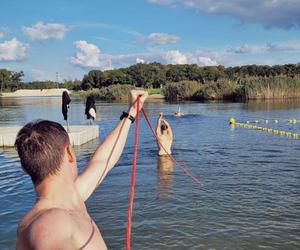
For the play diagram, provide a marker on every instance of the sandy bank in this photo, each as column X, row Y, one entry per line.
column 156, row 96
column 35, row 92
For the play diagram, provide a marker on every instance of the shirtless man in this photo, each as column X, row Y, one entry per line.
column 165, row 136
column 59, row 218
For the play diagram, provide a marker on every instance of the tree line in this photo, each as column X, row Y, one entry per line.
column 156, row 75
column 153, row 75
column 12, row 81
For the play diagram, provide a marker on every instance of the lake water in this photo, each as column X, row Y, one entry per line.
column 250, row 199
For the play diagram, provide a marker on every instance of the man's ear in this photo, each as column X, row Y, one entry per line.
column 70, row 154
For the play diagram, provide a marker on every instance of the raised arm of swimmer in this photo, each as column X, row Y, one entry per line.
column 158, row 130
column 109, row 152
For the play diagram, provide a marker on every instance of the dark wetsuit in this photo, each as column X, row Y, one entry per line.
column 90, row 103
column 65, row 104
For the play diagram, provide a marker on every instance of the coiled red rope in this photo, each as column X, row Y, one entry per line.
column 132, row 184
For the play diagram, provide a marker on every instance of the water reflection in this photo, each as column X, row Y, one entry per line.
column 164, row 176
column 250, row 199
column 263, row 105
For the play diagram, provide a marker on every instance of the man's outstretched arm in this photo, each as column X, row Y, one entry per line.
column 109, row 151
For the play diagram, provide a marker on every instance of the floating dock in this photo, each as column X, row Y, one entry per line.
column 78, row 134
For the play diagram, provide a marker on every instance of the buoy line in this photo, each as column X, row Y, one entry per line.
column 232, row 122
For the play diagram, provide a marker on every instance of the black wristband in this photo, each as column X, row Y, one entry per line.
column 126, row 115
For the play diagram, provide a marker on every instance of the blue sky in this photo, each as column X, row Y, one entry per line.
column 73, row 37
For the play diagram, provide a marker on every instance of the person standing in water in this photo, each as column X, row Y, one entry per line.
column 164, row 135
column 59, row 218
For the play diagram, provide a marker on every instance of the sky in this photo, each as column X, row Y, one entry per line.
column 64, row 40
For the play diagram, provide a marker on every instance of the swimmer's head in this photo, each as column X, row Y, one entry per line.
column 164, row 127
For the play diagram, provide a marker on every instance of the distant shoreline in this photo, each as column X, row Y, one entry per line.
column 54, row 93
column 35, row 93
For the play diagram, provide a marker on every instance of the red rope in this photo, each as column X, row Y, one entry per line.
column 195, row 179
column 132, row 184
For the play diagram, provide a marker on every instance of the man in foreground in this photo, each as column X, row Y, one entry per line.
column 164, row 135
column 59, row 218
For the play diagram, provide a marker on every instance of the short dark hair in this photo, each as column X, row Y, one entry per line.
column 40, row 145
column 164, row 127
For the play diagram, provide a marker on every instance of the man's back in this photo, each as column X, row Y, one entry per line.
column 59, row 219
column 46, row 227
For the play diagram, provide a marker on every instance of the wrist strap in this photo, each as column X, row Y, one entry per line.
column 126, row 115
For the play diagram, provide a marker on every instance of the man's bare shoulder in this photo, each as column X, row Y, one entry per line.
column 46, row 229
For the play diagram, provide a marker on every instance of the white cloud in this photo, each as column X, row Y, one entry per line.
column 246, row 48
column 3, row 31
column 287, row 46
column 205, row 61
column 271, row 13
column 164, row 57
column 244, row 54
column 44, row 32
column 162, row 38
column 270, row 47
column 12, row 50
column 140, row 60
column 175, row 57
column 89, row 56
column 163, row 2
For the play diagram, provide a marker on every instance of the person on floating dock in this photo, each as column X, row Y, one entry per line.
column 164, row 135
column 59, row 218
column 65, row 106
column 90, row 108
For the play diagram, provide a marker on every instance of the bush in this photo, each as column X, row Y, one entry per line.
column 220, row 90
column 111, row 93
column 180, row 90
column 206, row 92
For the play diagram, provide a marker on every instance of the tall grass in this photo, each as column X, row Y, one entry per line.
column 154, row 91
column 278, row 87
column 272, row 88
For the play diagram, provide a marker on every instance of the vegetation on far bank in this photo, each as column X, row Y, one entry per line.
column 189, row 82
column 115, row 92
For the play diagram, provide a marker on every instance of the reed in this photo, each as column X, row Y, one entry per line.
column 278, row 87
